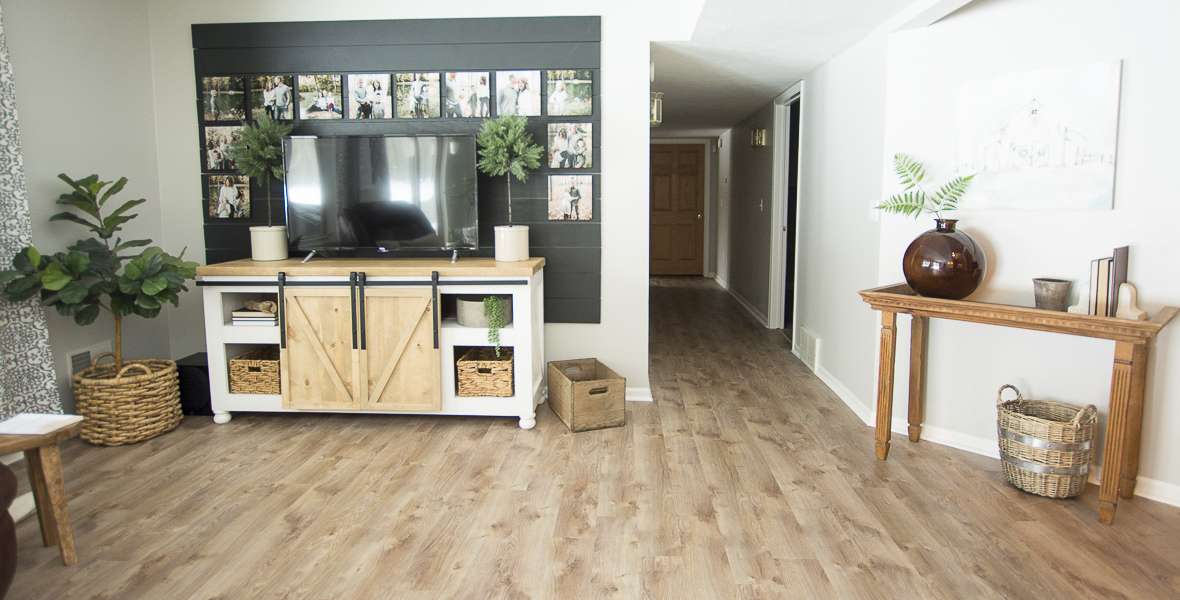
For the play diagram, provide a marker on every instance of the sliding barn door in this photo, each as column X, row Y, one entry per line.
column 677, row 209
column 401, row 365
column 320, row 367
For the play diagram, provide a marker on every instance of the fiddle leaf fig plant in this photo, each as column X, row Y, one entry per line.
column 914, row 200
column 507, row 147
column 102, row 272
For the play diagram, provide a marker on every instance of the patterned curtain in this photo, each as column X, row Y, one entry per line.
column 26, row 364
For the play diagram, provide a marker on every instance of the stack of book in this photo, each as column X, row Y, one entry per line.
column 254, row 318
column 1106, row 275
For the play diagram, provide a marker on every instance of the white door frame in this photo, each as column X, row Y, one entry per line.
column 710, row 145
column 778, row 211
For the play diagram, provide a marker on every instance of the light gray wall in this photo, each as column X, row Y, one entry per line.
column 84, row 101
column 752, row 175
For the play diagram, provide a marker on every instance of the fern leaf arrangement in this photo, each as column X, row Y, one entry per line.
column 493, row 309
column 258, row 153
column 914, row 200
column 507, row 147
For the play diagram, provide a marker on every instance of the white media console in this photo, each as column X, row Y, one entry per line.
column 373, row 335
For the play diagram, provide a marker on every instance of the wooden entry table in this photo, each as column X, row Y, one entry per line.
column 43, row 461
column 1120, row 457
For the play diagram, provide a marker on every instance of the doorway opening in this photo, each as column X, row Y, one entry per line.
column 677, row 222
column 792, row 211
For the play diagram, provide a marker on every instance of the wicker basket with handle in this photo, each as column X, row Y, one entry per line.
column 482, row 373
column 135, row 403
column 255, row 372
column 1045, row 446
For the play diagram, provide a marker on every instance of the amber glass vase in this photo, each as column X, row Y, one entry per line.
column 944, row 262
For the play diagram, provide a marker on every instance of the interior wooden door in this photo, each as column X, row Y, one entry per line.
column 401, row 365
column 319, row 367
column 677, row 209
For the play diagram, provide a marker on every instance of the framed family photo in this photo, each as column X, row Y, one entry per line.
column 468, row 95
column 319, row 97
column 228, row 196
column 417, row 96
column 368, row 96
column 518, row 93
column 569, row 93
column 218, row 139
column 223, row 99
column 571, row 146
column 274, row 96
column 571, row 197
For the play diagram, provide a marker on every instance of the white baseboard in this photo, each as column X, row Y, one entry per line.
column 22, row 506
column 721, row 282
column 761, row 318
column 639, row 394
column 1152, row 489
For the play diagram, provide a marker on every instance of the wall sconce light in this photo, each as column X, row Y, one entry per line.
column 758, row 137
column 657, row 108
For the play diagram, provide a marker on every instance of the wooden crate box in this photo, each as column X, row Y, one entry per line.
column 585, row 394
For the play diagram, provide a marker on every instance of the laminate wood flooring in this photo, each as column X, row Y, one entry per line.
column 746, row 479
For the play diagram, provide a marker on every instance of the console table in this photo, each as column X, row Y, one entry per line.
column 373, row 335
column 1120, row 457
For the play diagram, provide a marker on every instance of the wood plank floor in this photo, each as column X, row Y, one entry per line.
column 747, row 479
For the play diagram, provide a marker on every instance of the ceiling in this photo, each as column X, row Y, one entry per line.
column 745, row 52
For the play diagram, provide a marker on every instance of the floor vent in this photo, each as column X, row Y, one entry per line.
column 81, row 359
column 805, row 346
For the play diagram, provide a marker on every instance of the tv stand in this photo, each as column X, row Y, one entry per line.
column 373, row 335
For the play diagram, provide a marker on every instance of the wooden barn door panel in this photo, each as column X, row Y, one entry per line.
column 401, row 366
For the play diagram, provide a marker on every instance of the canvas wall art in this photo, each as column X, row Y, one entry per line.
column 319, row 97
column 571, row 197
column 417, row 96
column 273, row 96
column 570, row 92
column 218, row 139
column 518, row 93
column 1041, row 139
column 369, row 97
column 228, row 196
column 468, row 94
column 223, row 99
column 571, row 145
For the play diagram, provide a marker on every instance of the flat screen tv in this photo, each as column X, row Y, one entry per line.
column 378, row 194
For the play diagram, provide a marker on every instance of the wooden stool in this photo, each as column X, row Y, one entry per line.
column 43, row 461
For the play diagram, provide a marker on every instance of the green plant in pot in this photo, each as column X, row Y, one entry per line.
column 105, row 273
column 507, row 147
column 497, row 316
column 258, row 154
column 942, row 262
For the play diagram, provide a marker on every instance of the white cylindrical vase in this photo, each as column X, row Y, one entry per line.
column 268, row 243
column 512, row 243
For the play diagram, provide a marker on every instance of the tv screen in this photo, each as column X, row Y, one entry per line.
column 381, row 193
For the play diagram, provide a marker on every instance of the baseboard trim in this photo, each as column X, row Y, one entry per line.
column 721, row 282
column 1146, row 487
column 22, row 506
column 639, row 394
column 749, row 307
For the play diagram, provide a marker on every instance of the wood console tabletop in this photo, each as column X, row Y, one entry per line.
column 1120, row 457
column 375, row 267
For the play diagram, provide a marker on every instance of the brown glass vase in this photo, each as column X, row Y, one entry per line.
column 944, row 262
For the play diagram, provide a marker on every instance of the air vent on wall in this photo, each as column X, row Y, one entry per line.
column 81, row 359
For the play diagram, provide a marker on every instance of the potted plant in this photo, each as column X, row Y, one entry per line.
column 123, row 402
column 258, row 154
column 506, row 147
column 942, row 262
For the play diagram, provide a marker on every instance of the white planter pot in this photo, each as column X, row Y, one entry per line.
column 469, row 311
column 268, row 243
column 512, row 243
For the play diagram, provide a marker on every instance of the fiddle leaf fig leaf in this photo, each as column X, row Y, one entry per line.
column 54, row 278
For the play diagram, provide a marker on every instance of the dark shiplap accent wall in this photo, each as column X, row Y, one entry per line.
column 573, row 251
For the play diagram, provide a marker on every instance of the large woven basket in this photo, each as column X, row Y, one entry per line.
column 1045, row 446
column 255, row 372
column 135, row 403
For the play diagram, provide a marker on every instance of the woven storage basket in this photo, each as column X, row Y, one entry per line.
column 1045, row 446
column 481, row 373
column 255, row 372
column 133, row 404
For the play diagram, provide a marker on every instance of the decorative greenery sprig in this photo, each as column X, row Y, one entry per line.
column 258, row 153
column 507, row 147
column 493, row 309
column 93, row 275
column 914, row 200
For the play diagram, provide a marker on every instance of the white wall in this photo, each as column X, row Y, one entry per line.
column 84, row 100
column 627, row 29
column 840, row 144
column 724, row 204
column 926, row 68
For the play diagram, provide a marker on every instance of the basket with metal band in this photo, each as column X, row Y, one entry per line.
column 1045, row 446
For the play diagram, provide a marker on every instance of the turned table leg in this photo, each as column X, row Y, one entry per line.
column 1130, row 470
column 885, row 382
column 1115, row 452
column 917, row 402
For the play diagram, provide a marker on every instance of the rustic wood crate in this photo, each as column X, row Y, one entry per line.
column 482, row 373
column 585, row 394
column 255, row 372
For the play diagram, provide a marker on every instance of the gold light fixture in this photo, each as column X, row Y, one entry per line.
column 657, row 108
column 758, row 137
